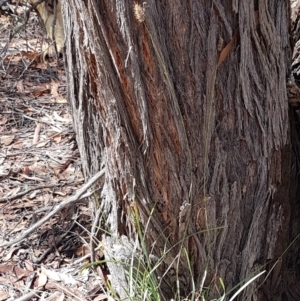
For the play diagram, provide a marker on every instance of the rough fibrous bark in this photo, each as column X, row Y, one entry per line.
column 185, row 104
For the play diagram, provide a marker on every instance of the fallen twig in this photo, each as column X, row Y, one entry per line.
column 55, row 245
column 30, row 295
column 95, row 228
column 19, row 195
column 58, row 208
column 36, row 137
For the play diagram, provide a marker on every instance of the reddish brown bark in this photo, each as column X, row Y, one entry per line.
column 185, row 104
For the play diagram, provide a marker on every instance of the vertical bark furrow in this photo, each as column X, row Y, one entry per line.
column 176, row 126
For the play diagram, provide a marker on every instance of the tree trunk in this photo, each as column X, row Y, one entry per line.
column 185, row 104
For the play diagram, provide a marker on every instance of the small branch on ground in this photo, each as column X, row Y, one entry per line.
column 21, row 194
column 58, row 208
column 94, row 230
column 36, row 137
column 55, row 245
column 30, row 295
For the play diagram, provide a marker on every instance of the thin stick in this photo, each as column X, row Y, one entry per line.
column 19, row 195
column 57, row 208
column 94, row 230
column 30, row 295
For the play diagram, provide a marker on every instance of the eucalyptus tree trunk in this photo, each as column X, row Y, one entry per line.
column 185, row 104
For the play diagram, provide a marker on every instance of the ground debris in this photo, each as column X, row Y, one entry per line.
column 39, row 169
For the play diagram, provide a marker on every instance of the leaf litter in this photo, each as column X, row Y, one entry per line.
column 39, row 168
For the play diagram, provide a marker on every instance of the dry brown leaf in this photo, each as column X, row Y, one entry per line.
column 29, row 266
column 57, row 138
column 52, row 275
column 82, row 251
column 54, row 88
column 4, row 280
column 33, row 194
column 100, row 273
column 38, row 168
column 32, row 56
column 42, row 144
column 57, row 117
column 3, row 120
column 47, row 199
column 6, row 18
column 42, row 66
column 3, row 296
column 40, row 90
column 66, row 165
column 10, row 217
column 17, row 145
column 59, row 193
column 61, row 177
column 42, row 280
column 68, row 279
column 37, row 252
column 60, row 99
column 29, row 111
column 55, row 264
column 56, row 276
column 13, row 270
column 12, row 58
column 19, row 284
column 26, row 170
column 70, row 170
column 7, row 140
column 61, row 297
column 20, row 226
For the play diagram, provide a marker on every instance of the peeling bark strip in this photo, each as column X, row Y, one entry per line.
column 49, row 12
column 176, row 131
